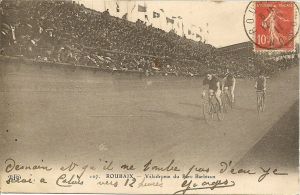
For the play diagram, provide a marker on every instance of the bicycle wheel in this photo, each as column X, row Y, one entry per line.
column 229, row 100
column 226, row 102
column 263, row 100
column 207, row 113
column 259, row 102
column 216, row 110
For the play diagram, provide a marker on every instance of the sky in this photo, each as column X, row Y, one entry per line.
column 224, row 18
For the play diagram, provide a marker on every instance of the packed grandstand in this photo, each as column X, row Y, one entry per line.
column 68, row 32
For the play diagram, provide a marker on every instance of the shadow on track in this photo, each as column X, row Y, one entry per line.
column 253, row 110
column 189, row 104
column 279, row 147
column 174, row 115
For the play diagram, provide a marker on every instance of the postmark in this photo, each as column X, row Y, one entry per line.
column 272, row 25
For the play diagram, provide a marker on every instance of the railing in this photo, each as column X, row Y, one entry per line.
column 20, row 59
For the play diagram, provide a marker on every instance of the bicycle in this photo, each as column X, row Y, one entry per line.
column 260, row 101
column 226, row 100
column 210, row 108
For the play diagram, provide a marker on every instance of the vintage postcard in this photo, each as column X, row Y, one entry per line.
column 149, row 97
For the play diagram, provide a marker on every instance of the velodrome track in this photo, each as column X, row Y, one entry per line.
column 59, row 115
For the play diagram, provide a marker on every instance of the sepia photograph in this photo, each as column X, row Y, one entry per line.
column 149, row 97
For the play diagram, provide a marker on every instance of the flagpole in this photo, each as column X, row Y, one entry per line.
column 182, row 30
column 131, row 9
column 127, row 8
column 163, row 28
column 146, row 20
column 160, row 22
column 132, row 12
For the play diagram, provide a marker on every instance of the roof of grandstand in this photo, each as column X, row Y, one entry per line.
column 244, row 46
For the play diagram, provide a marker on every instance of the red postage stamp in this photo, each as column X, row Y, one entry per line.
column 272, row 25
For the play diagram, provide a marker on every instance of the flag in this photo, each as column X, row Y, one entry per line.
column 146, row 17
column 142, row 8
column 118, row 7
column 199, row 36
column 174, row 17
column 156, row 15
column 169, row 20
column 133, row 8
column 179, row 17
column 162, row 10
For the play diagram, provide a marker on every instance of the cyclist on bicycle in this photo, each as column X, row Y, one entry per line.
column 214, row 87
column 261, row 84
column 228, row 84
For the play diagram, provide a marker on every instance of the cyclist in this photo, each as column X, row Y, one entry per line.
column 261, row 86
column 214, row 87
column 228, row 84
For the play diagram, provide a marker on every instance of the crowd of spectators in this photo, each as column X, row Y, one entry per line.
column 67, row 32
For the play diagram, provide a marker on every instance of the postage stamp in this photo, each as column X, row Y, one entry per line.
column 272, row 25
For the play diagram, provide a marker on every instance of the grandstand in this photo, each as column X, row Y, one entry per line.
column 245, row 48
column 64, row 32
column 243, row 55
